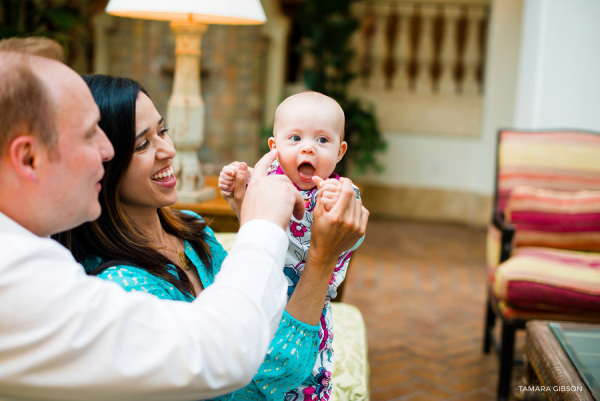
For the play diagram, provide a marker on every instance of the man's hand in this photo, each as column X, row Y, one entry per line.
column 337, row 230
column 232, row 183
column 333, row 232
column 272, row 198
column 329, row 190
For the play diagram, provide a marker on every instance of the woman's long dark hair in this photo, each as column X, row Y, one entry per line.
column 113, row 238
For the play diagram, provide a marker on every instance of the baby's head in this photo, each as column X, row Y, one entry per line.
column 309, row 136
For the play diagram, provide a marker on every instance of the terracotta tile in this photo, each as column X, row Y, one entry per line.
column 391, row 392
column 421, row 289
column 383, row 380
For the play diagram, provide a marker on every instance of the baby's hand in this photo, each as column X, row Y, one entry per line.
column 227, row 178
column 329, row 190
column 228, row 181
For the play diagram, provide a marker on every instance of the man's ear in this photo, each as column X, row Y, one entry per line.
column 342, row 151
column 24, row 155
column 272, row 144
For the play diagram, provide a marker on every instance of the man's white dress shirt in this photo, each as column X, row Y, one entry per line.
column 68, row 336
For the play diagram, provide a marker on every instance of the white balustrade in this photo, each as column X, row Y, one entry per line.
column 443, row 102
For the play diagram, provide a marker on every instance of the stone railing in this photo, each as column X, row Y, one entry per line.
column 422, row 64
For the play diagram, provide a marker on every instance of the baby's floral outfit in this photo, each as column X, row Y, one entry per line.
column 317, row 385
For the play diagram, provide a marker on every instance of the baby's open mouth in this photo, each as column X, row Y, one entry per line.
column 306, row 172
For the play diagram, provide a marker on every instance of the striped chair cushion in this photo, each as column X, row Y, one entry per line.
column 566, row 282
column 564, row 161
column 555, row 219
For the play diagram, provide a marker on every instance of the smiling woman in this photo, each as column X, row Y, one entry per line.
column 136, row 227
column 148, row 182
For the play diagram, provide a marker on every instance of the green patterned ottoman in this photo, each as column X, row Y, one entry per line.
column 351, row 372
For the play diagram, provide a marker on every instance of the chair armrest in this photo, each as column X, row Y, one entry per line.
column 508, row 233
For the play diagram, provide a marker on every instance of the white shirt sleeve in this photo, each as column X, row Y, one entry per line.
column 67, row 336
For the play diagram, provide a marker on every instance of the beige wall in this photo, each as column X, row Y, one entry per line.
column 447, row 178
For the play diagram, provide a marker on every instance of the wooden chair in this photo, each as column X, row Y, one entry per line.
column 536, row 274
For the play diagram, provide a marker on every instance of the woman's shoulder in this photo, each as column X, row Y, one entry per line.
column 207, row 229
column 189, row 212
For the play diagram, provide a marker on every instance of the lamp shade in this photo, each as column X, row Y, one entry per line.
column 230, row 12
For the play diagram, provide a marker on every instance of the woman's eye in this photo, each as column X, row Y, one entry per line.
column 322, row 140
column 163, row 132
column 143, row 146
column 296, row 138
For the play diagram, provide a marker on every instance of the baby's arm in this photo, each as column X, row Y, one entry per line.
column 227, row 183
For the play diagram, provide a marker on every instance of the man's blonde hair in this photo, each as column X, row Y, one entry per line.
column 37, row 46
column 310, row 96
column 26, row 106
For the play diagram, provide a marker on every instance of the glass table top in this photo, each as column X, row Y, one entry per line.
column 582, row 345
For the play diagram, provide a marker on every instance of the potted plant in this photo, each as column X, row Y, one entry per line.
column 326, row 28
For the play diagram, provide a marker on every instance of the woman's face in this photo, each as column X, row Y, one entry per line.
column 149, row 181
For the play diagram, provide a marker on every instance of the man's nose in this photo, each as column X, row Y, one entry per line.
column 107, row 152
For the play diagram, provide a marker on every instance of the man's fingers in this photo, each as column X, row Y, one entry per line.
column 261, row 168
column 240, row 181
column 328, row 203
column 358, row 212
column 345, row 203
column 364, row 219
column 298, row 206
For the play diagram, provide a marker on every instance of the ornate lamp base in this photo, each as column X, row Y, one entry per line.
column 185, row 113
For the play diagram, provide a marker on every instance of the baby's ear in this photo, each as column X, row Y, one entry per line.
column 272, row 144
column 342, row 151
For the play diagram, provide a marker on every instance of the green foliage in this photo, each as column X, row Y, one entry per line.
column 327, row 26
column 23, row 18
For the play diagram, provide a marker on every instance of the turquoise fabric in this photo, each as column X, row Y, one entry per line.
column 292, row 353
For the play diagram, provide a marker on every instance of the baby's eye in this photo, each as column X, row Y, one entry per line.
column 295, row 138
column 322, row 140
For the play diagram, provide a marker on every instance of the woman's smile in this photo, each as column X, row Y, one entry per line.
column 165, row 178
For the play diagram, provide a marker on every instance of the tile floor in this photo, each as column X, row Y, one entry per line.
column 421, row 288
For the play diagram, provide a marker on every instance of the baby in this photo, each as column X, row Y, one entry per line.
column 309, row 136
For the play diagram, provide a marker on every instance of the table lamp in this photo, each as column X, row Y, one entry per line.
column 185, row 110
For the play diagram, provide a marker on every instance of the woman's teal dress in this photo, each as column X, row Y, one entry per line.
column 292, row 353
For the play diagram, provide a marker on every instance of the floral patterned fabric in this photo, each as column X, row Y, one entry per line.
column 318, row 385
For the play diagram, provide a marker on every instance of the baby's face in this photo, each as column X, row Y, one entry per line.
column 309, row 142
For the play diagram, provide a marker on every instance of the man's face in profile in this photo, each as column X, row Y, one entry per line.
column 70, row 175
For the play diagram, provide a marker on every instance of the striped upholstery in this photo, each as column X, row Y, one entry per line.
column 555, row 219
column 553, row 178
column 567, row 161
column 550, row 280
